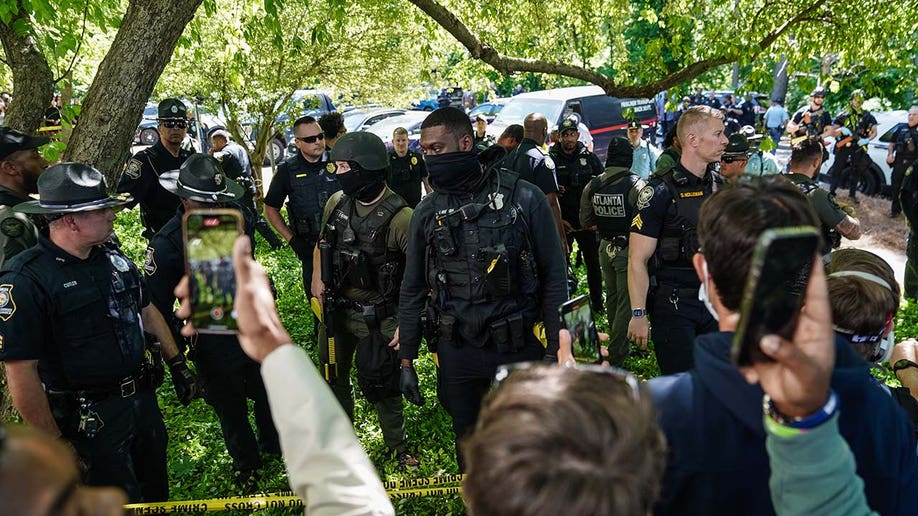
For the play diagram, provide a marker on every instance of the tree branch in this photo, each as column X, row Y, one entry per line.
column 76, row 51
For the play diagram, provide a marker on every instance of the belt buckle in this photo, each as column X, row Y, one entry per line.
column 128, row 388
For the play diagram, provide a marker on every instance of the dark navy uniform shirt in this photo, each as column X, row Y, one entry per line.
column 141, row 180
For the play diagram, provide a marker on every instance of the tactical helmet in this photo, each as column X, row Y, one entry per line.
column 365, row 149
column 819, row 91
column 858, row 93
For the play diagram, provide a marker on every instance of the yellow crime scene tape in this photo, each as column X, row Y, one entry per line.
column 396, row 489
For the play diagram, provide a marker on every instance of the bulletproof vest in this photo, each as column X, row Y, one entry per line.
column 816, row 125
column 311, row 185
column 361, row 257
column 907, row 144
column 404, row 177
column 679, row 239
column 481, row 252
column 573, row 173
column 858, row 123
column 610, row 204
column 830, row 235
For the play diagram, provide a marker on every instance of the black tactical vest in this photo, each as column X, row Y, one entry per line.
column 830, row 235
column 907, row 144
column 679, row 238
column 611, row 208
column 361, row 257
column 310, row 187
column 573, row 173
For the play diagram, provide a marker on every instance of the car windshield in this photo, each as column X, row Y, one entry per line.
column 516, row 110
column 353, row 119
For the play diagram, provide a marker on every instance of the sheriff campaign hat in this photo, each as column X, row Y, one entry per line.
column 72, row 187
column 201, row 178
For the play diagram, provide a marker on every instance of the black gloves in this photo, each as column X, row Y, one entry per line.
column 187, row 385
column 408, row 383
column 301, row 247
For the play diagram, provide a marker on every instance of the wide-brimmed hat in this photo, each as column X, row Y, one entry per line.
column 72, row 187
column 12, row 140
column 737, row 146
column 201, row 178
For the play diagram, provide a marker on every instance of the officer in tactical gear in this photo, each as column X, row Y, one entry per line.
column 575, row 166
column 663, row 239
column 607, row 205
column 229, row 377
column 20, row 166
column 485, row 247
column 407, row 170
column 73, row 310
column 305, row 180
column 903, row 150
column 805, row 163
column 237, row 166
column 853, row 129
column 813, row 119
column 141, row 174
column 362, row 243
column 908, row 197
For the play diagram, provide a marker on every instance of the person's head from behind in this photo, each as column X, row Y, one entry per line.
column 511, row 137
column 864, row 296
column 219, row 139
column 701, row 133
column 332, row 125
column 535, row 127
column 729, row 226
column 39, row 475
column 555, row 440
column 446, row 130
column 806, row 157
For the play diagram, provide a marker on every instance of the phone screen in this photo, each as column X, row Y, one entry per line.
column 209, row 239
column 577, row 317
column 774, row 289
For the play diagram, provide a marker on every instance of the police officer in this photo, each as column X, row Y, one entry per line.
column 141, row 175
column 664, row 229
column 307, row 179
column 608, row 204
column 644, row 160
column 813, row 119
column 533, row 165
column 482, row 139
column 230, row 378
column 853, row 130
column 805, row 162
column 364, row 237
column 908, row 198
column 575, row 166
column 484, row 243
column 407, row 169
column 759, row 163
column 73, row 310
column 903, row 149
column 736, row 155
column 238, row 167
column 20, row 166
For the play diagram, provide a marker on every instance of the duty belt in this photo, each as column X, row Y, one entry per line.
column 125, row 388
column 617, row 240
column 378, row 311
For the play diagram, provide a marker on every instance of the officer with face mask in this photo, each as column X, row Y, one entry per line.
column 485, row 247
column 362, row 248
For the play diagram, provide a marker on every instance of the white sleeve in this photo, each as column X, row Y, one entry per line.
column 326, row 465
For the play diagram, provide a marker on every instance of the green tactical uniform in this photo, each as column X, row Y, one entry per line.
column 830, row 213
column 376, row 363
column 609, row 202
column 17, row 230
column 908, row 198
column 667, row 160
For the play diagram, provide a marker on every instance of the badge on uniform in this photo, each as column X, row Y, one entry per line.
column 149, row 264
column 132, row 169
column 414, row 160
column 644, row 197
column 582, row 162
column 12, row 227
column 119, row 263
column 7, row 305
column 330, row 167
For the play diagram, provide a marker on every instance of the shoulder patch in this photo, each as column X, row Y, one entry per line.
column 549, row 163
column 149, row 264
column 637, row 222
column 644, row 197
column 132, row 169
column 7, row 305
column 414, row 160
column 12, row 227
column 118, row 261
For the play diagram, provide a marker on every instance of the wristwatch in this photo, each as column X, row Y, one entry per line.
column 638, row 312
column 903, row 363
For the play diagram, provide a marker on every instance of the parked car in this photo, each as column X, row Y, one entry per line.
column 601, row 113
column 411, row 121
column 489, row 110
column 877, row 180
column 313, row 103
column 362, row 119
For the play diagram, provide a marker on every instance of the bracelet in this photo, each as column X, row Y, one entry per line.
column 802, row 423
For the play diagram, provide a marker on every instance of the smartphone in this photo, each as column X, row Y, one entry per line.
column 775, row 289
column 577, row 317
column 209, row 237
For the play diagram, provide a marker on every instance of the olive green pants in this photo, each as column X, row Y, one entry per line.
column 613, row 261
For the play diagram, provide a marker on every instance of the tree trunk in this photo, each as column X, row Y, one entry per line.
column 32, row 79
column 779, row 90
column 124, row 82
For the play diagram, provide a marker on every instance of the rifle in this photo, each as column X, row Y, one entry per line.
column 330, row 366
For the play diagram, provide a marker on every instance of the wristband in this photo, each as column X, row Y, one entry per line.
column 801, row 423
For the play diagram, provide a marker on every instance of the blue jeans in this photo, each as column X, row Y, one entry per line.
column 775, row 133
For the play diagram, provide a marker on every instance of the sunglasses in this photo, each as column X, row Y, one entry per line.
column 731, row 159
column 172, row 124
column 311, row 139
column 630, row 381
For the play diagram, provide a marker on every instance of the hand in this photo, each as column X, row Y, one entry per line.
column 565, row 348
column 639, row 331
column 187, row 386
column 408, row 383
column 798, row 380
column 568, row 228
column 890, row 159
column 863, row 141
column 845, row 131
column 318, row 288
column 301, row 247
column 394, row 342
column 908, row 377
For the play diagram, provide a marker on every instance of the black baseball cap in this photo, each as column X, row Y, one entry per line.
column 12, row 141
column 171, row 109
column 634, row 124
column 568, row 124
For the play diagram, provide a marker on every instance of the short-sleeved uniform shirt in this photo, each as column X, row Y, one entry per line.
column 406, row 174
column 859, row 122
column 141, row 179
column 308, row 187
column 819, row 120
column 534, row 166
column 906, row 139
column 59, row 309
column 830, row 213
